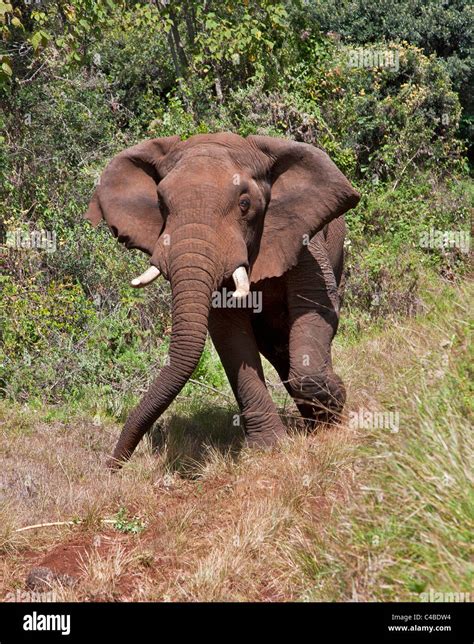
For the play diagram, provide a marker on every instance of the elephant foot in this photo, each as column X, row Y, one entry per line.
column 319, row 401
column 264, row 439
column 315, row 418
column 113, row 464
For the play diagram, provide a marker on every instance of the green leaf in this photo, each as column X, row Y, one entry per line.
column 35, row 40
column 7, row 69
column 5, row 7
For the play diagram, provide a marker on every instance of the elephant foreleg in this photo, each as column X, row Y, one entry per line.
column 233, row 337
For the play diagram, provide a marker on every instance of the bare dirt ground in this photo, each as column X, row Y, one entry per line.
column 230, row 528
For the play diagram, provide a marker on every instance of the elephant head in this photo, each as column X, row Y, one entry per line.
column 208, row 210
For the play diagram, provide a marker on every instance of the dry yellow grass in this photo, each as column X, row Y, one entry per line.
column 330, row 516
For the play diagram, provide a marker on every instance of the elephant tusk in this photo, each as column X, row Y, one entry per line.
column 241, row 281
column 145, row 278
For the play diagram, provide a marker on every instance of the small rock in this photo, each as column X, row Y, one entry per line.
column 41, row 579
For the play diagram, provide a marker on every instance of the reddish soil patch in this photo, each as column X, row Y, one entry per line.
column 65, row 558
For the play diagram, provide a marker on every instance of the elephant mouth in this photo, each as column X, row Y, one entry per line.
column 239, row 276
column 122, row 239
column 233, row 269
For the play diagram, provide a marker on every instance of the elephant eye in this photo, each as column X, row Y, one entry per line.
column 244, row 204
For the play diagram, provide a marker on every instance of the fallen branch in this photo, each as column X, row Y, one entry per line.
column 58, row 523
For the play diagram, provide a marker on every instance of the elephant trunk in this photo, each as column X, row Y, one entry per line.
column 193, row 277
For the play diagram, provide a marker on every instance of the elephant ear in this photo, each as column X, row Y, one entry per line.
column 126, row 196
column 307, row 192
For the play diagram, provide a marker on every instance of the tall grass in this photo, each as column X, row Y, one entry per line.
column 349, row 513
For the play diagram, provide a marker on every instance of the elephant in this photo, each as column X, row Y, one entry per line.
column 253, row 217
